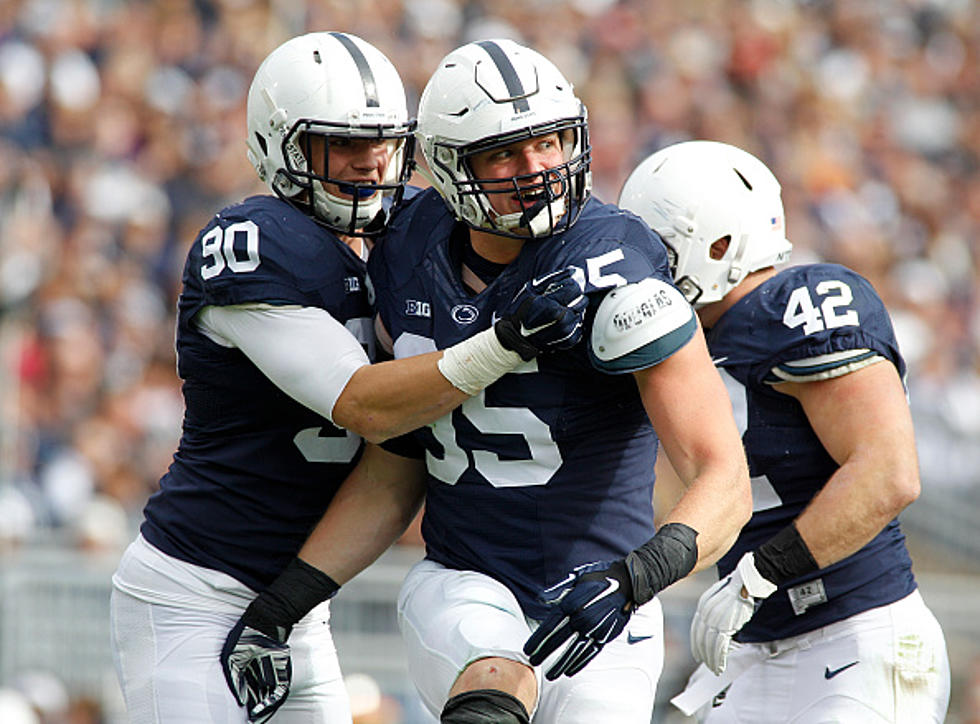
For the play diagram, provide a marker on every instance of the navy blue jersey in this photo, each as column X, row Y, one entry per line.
column 805, row 321
column 255, row 469
column 552, row 465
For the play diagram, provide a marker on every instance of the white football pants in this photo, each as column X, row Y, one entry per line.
column 169, row 620
column 451, row 618
column 887, row 665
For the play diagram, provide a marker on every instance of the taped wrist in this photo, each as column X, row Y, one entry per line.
column 477, row 362
column 291, row 596
column 785, row 556
column 667, row 557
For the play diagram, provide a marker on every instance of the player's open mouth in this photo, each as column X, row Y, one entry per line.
column 530, row 196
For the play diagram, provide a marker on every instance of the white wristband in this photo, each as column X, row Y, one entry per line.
column 477, row 362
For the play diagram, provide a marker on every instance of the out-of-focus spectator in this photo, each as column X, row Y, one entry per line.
column 369, row 705
column 16, row 709
column 46, row 694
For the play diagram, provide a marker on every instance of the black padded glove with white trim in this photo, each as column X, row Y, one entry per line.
column 546, row 314
column 255, row 657
column 594, row 603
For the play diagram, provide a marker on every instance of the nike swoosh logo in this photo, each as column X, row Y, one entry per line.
column 720, row 697
column 608, row 591
column 631, row 639
column 718, row 360
column 613, row 587
column 830, row 674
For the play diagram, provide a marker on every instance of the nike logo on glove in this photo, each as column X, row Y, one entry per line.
column 613, row 587
column 830, row 674
column 631, row 639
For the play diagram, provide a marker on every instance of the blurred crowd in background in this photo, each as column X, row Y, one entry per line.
column 122, row 130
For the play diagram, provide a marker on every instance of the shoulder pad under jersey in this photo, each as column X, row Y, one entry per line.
column 639, row 325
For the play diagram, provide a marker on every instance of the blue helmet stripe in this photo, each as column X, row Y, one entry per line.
column 363, row 67
column 508, row 73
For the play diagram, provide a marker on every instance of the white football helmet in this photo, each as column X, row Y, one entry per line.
column 698, row 192
column 491, row 93
column 328, row 84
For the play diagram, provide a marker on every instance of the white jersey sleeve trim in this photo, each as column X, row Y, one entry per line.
column 825, row 366
column 304, row 351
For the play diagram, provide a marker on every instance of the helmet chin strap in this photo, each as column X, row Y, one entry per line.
column 537, row 218
column 736, row 272
column 337, row 210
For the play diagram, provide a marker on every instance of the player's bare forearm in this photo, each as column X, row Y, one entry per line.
column 862, row 419
column 388, row 399
column 688, row 405
column 371, row 510
column 717, row 508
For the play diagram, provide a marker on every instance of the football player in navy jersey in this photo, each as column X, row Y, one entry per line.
column 816, row 616
column 546, row 477
column 274, row 340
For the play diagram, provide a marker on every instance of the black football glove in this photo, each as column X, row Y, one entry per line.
column 593, row 604
column 546, row 314
column 595, row 601
column 257, row 668
column 255, row 658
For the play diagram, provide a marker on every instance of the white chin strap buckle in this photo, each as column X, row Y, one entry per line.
column 541, row 220
column 340, row 210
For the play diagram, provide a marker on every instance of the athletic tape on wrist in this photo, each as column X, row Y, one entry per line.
column 785, row 556
column 298, row 589
column 477, row 362
column 667, row 557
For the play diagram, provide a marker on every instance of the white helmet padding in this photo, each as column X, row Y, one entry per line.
column 489, row 94
column 328, row 84
column 698, row 192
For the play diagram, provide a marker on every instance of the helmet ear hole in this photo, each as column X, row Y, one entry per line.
column 719, row 247
column 262, row 144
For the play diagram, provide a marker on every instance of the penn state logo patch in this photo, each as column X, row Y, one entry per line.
column 464, row 313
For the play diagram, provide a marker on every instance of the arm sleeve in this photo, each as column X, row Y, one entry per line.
column 304, row 351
